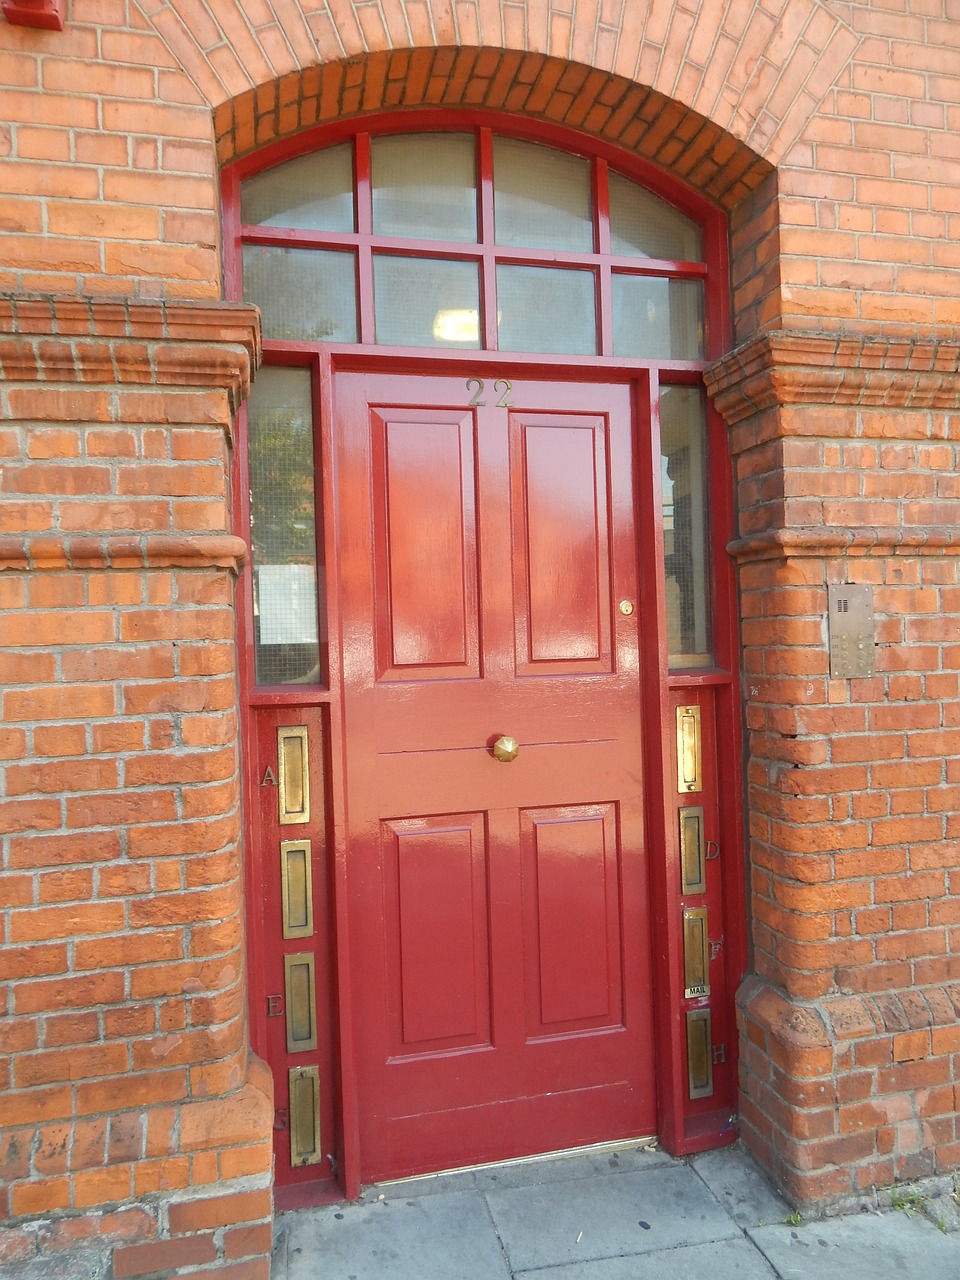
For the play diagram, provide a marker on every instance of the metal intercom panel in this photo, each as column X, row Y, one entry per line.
column 853, row 632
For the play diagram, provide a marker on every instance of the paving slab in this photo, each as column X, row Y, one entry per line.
column 579, row 1220
column 865, row 1246
column 742, row 1187
column 719, row 1260
column 435, row 1237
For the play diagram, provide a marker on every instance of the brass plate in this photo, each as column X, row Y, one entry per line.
column 693, row 863
column 301, row 1003
column 294, row 774
column 689, row 752
column 305, row 1116
column 696, row 953
column 699, row 1054
column 296, row 888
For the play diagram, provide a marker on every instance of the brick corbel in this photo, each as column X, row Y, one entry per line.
column 46, row 14
column 92, row 341
column 54, row 552
column 784, row 368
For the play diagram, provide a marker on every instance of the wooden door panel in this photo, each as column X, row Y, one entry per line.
column 571, row 895
column 436, row 922
column 414, row 782
column 561, row 549
column 497, row 910
column 424, row 512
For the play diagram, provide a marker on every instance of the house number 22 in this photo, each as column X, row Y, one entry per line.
column 502, row 386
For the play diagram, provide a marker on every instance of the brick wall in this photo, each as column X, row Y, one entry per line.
column 125, row 1070
column 828, row 133
column 846, row 473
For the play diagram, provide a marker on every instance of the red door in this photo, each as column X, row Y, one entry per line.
column 498, row 910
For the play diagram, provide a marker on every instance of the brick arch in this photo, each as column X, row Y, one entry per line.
column 755, row 73
column 599, row 103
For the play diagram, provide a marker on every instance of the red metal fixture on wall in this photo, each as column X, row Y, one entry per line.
column 47, row 14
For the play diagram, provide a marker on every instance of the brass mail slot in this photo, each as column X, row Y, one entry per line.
column 699, row 1053
column 696, row 953
column 689, row 753
column 296, row 888
column 305, row 1116
column 301, row 1002
column 294, row 779
column 693, row 863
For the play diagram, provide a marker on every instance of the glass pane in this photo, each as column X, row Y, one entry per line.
column 290, row 640
column 657, row 319
column 314, row 192
column 426, row 302
column 304, row 295
column 644, row 226
column 425, row 186
column 683, row 447
column 547, row 309
column 543, row 198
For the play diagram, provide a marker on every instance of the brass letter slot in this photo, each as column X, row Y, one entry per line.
column 300, row 983
column 689, row 755
column 294, row 779
column 696, row 953
column 305, row 1116
column 296, row 887
column 693, row 864
column 699, row 1053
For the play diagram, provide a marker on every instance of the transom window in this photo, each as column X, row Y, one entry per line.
column 471, row 241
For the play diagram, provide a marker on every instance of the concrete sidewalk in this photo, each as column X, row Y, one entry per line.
column 627, row 1214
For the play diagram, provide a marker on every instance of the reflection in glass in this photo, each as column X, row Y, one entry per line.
column 683, row 447
column 304, row 295
column 547, row 309
column 425, row 186
column 657, row 319
column 542, row 197
column 289, row 637
column 426, row 302
column 642, row 225
column 314, row 193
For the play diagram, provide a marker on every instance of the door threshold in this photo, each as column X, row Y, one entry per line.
column 565, row 1153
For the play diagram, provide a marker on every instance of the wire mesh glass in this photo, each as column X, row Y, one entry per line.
column 425, row 186
column 642, row 225
column 289, row 601
column 426, row 302
column 683, row 447
column 304, row 295
column 543, row 198
column 547, row 309
column 312, row 193
column 657, row 319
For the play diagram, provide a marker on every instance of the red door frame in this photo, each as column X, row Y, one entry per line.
column 684, row 1126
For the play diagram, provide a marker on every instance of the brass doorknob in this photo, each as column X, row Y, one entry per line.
column 506, row 749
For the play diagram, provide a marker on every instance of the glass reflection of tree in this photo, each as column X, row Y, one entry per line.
column 683, row 448
column 282, row 505
column 679, row 561
column 282, row 517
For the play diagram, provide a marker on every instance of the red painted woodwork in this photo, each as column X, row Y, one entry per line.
column 498, row 912
column 47, row 14
column 433, row 648
column 271, row 1014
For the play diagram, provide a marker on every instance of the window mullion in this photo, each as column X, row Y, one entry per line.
column 488, row 283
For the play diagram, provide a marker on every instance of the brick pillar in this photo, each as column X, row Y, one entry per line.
column 848, row 472
column 129, row 1102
